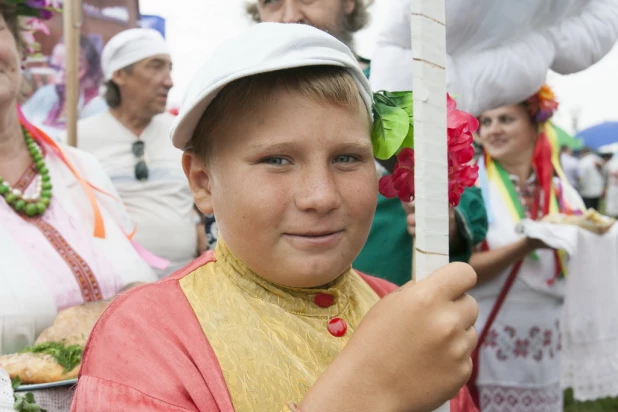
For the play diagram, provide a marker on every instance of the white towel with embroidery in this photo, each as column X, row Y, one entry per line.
column 589, row 322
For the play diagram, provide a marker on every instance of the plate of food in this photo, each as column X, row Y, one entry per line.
column 44, row 365
column 39, row 386
column 590, row 220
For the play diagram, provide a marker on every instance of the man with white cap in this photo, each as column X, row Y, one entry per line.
column 275, row 130
column 131, row 142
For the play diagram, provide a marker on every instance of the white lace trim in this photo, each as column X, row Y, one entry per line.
column 496, row 398
column 591, row 369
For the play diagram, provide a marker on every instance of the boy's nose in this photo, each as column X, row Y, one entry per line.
column 318, row 192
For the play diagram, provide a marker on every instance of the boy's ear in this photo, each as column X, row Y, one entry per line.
column 198, row 175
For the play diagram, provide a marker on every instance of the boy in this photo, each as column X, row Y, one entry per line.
column 276, row 133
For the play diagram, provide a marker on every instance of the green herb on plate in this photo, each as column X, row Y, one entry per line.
column 67, row 356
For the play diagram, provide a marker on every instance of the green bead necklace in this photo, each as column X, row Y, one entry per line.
column 37, row 203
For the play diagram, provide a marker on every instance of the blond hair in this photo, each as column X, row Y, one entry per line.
column 323, row 84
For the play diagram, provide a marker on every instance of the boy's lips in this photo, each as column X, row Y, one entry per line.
column 314, row 239
column 314, row 233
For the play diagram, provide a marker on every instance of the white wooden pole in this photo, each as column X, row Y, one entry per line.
column 430, row 138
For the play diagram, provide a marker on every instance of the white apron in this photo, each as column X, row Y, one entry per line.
column 519, row 362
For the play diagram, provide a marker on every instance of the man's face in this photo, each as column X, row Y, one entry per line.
column 326, row 15
column 147, row 83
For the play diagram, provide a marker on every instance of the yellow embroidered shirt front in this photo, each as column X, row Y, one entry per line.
column 272, row 342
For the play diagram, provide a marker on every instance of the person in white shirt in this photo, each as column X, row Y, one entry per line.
column 611, row 194
column 570, row 165
column 131, row 141
column 591, row 181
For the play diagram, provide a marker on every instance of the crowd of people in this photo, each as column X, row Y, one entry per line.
column 248, row 262
column 595, row 176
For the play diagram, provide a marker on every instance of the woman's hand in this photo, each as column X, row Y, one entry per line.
column 411, row 352
column 534, row 244
column 411, row 220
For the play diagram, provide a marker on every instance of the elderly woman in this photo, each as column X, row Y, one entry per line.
column 519, row 357
column 63, row 235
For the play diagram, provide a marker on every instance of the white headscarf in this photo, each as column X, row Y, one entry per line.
column 131, row 46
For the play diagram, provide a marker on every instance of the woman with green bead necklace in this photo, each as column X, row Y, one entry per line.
column 63, row 233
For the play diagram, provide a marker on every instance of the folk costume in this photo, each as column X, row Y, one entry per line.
column 217, row 336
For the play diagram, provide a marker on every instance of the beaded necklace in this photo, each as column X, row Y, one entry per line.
column 37, row 203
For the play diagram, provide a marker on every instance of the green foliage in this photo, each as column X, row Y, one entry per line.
column 599, row 405
column 67, row 356
column 25, row 402
column 393, row 127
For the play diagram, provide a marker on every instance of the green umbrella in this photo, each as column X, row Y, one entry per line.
column 565, row 139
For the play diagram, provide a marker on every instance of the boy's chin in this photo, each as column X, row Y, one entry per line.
column 312, row 272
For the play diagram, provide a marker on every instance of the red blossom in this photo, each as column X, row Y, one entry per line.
column 460, row 126
column 401, row 182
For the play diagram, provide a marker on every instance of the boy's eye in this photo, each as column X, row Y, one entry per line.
column 345, row 159
column 276, row 161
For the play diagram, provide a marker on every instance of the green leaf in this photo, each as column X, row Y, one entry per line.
column 67, row 356
column 406, row 102
column 26, row 403
column 16, row 382
column 403, row 100
column 390, row 128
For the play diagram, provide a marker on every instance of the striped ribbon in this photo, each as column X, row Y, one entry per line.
column 490, row 171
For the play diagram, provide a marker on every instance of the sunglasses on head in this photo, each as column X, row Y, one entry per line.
column 141, row 168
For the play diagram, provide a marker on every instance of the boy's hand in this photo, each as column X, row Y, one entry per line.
column 411, row 351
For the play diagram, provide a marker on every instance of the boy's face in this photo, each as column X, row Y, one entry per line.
column 293, row 187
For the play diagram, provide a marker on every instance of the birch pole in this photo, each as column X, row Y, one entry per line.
column 430, row 138
column 71, row 19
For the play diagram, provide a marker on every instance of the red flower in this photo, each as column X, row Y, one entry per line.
column 460, row 126
column 401, row 182
column 459, row 123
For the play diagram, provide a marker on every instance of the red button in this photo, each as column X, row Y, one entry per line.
column 337, row 327
column 324, row 300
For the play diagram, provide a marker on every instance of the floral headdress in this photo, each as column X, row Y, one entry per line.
column 542, row 105
column 34, row 11
column 393, row 133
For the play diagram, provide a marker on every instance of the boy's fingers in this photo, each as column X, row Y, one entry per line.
column 453, row 281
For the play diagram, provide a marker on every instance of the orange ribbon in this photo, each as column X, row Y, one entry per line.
column 99, row 226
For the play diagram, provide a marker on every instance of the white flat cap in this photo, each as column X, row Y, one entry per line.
column 131, row 46
column 265, row 47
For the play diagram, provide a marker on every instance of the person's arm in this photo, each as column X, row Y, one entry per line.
column 467, row 224
column 489, row 264
column 471, row 225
